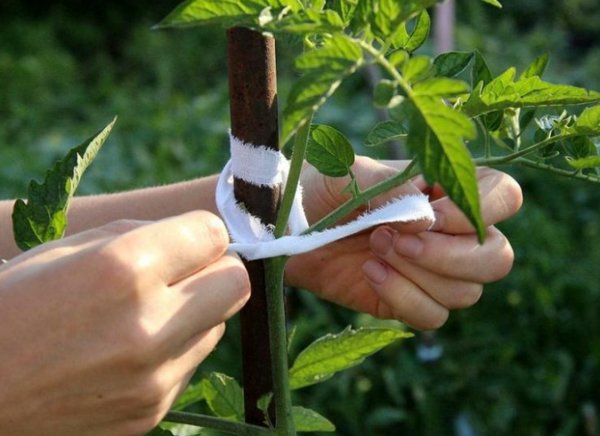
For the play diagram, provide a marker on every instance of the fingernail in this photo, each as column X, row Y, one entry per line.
column 375, row 271
column 408, row 245
column 381, row 241
column 438, row 224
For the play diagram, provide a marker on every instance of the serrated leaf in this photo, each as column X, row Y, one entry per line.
column 417, row 68
column 437, row 134
column 441, row 87
column 345, row 8
column 385, row 131
column 306, row 420
column 329, row 151
column 537, row 67
column 325, row 68
column 452, row 63
column 43, row 217
column 583, row 162
column 384, row 92
column 224, row 396
column 588, row 122
column 504, row 92
column 309, row 21
column 493, row 3
column 333, row 353
column 387, row 16
column 417, row 37
column 192, row 394
column 223, row 12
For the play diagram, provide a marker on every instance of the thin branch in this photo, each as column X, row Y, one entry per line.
column 216, row 423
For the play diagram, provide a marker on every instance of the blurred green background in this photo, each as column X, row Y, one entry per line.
column 524, row 361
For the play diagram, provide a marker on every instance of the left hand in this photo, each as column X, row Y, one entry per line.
column 403, row 271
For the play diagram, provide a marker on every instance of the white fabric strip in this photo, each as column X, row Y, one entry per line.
column 253, row 240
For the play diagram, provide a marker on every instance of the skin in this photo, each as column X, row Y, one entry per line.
column 119, row 315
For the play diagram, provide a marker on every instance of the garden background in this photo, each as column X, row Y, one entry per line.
column 524, row 361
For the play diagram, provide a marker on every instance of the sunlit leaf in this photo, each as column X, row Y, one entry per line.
column 437, row 134
column 224, row 396
column 306, row 420
column 584, row 162
column 417, row 68
column 441, row 87
column 385, row 131
column 329, row 151
column 333, row 353
column 410, row 41
column 493, row 3
column 537, row 67
column 504, row 92
column 192, row 394
column 588, row 123
column 43, row 217
column 324, row 69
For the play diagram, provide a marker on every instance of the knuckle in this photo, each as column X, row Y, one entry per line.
column 214, row 228
column 118, row 260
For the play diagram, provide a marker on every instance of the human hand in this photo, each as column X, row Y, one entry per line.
column 102, row 330
column 402, row 271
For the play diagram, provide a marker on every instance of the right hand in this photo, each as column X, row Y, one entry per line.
column 102, row 330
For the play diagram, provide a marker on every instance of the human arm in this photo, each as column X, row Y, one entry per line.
column 102, row 330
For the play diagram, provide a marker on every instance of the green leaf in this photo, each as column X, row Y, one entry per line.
column 159, row 432
column 493, row 3
column 437, row 134
column 192, row 394
column 224, row 12
column 385, row 131
column 329, row 151
column 333, row 353
column 384, row 92
column 537, row 67
column 306, row 420
column 480, row 72
column 43, row 217
column 387, row 16
column 417, row 37
column 503, row 92
column 441, row 87
column 588, row 122
column 224, row 396
column 583, row 162
column 452, row 63
column 345, row 8
column 417, row 68
column 308, row 21
column 324, row 69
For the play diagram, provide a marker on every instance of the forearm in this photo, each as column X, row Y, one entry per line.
column 142, row 204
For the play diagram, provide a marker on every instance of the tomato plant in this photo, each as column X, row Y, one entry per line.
column 451, row 111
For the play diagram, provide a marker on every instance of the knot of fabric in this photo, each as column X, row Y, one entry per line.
column 261, row 166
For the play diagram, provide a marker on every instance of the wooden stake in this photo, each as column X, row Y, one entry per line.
column 253, row 105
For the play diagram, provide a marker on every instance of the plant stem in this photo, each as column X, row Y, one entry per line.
column 293, row 178
column 216, row 423
column 573, row 174
column 349, row 206
column 274, row 269
column 499, row 160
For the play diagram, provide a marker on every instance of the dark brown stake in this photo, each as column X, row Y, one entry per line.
column 253, row 103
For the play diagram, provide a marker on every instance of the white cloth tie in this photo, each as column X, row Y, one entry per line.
column 253, row 240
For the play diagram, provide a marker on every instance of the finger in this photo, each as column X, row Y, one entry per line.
column 172, row 249
column 460, row 257
column 206, row 299
column 450, row 293
column 500, row 198
column 370, row 172
column 402, row 299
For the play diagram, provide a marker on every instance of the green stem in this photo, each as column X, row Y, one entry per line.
column 573, row 174
column 349, row 206
column 500, row 160
column 274, row 268
column 216, row 423
column 380, row 58
column 293, row 178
